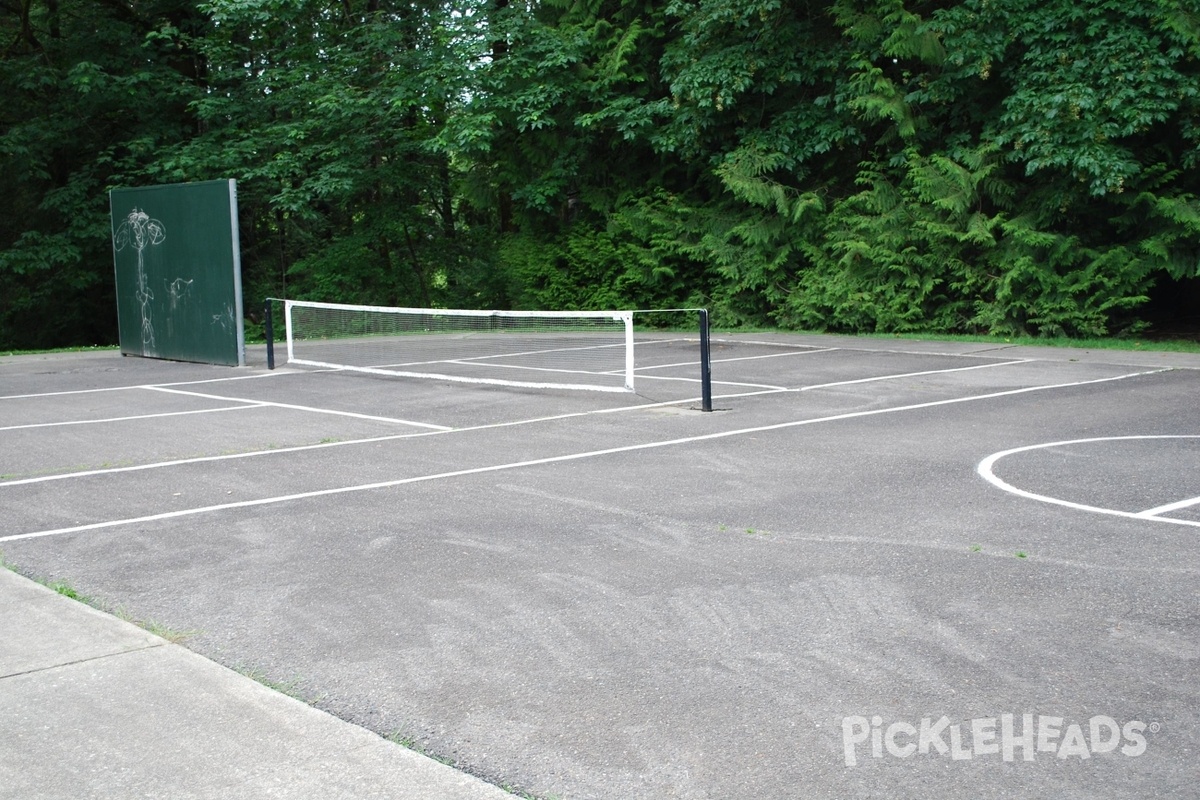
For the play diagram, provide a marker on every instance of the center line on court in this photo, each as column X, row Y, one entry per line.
column 310, row 409
column 559, row 459
column 139, row 416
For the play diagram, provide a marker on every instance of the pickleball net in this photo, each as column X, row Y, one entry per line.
column 590, row 350
column 583, row 350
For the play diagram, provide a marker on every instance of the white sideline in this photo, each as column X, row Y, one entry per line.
column 557, row 459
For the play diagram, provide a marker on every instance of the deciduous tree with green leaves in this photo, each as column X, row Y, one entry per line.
column 992, row 165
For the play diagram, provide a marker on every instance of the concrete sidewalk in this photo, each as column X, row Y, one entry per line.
column 94, row 707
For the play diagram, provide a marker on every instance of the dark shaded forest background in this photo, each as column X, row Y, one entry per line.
column 992, row 166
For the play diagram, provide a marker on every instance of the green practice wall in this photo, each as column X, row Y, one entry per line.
column 178, row 270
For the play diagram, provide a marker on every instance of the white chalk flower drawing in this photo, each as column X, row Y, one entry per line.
column 141, row 231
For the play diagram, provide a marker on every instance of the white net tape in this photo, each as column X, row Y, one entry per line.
column 590, row 350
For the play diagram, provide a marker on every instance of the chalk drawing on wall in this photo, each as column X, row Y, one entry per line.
column 140, row 231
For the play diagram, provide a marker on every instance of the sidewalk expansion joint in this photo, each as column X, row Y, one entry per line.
column 82, row 661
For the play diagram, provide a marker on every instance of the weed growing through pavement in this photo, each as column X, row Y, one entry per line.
column 67, row 590
column 290, row 687
column 409, row 743
column 748, row 531
column 153, row 626
column 165, row 631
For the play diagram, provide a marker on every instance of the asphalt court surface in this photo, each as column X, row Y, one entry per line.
column 845, row 582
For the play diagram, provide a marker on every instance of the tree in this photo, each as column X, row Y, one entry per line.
column 989, row 165
column 90, row 92
column 324, row 112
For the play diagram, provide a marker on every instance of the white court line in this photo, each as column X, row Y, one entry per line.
column 526, row 368
column 683, row 379
column 773, row 389
column 762, row 343
column 477, row 360
column 466, row 361
column 739, row 358
column 783, row 389
column 1169, row 507
column 926, row 372
column 558, row 459
column 620, row 373
column 985, row 470
column 396, row 436
column 890, row 351
column 804, row 389
column 776, row 355
column 301, row 408
column 128, row 419
column 641, row 370
column 369, row 440
column 148, row 385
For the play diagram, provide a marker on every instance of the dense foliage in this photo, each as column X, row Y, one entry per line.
column 1003, row 166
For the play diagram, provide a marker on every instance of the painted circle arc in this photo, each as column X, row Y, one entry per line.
column 1158, row 513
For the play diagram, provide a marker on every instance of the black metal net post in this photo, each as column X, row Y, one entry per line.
column 269, row 330
column 705, row 368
